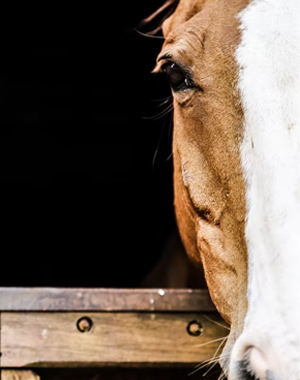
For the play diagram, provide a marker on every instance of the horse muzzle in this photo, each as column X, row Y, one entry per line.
column 253, row 358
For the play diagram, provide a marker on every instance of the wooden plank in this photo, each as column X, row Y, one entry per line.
column 18, row 375
column 78, row 299
column 53, row 339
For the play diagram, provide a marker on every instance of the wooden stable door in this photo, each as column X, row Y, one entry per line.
column 99, row 328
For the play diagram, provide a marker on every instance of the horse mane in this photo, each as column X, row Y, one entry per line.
column 163, row 12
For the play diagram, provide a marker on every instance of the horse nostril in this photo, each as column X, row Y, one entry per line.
column 256, row 365
column 258, row 362
column 253, row 356
column 251, row 362
column 245, row 374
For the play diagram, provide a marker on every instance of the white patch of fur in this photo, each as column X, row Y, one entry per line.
column 269, row 83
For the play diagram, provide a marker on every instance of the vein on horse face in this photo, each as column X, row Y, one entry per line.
column 200, row 36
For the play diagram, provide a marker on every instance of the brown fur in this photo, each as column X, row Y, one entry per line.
column 208, row 125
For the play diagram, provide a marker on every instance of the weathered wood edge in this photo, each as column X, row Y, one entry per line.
column 105, row 299
column 18, row 375
column 107, row 365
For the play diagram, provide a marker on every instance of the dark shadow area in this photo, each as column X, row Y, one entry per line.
column 130, row 373
column 85, row 169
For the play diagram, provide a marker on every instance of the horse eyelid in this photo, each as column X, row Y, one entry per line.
column 163, row 61
column 167, row 58
column 164, row 56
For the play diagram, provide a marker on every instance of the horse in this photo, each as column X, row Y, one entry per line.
column 233, row 67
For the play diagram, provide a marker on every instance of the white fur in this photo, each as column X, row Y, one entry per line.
column 269, row 83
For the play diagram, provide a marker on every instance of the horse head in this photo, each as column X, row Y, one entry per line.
column 234, row 72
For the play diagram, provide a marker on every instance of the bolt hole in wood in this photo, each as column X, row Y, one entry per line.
column 84, row 324
column 194, row 328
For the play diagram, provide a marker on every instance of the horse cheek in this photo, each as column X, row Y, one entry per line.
column 184, row 215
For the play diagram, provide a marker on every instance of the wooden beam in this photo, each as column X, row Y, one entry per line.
column 83, row 299
column 53, row 339
column 18, row 375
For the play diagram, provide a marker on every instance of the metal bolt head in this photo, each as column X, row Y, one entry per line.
column 84, row 324
column 194, row 328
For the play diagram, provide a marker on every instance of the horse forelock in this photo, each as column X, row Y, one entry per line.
column 161, row 14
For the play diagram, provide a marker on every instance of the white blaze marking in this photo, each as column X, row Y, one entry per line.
column 269, row 83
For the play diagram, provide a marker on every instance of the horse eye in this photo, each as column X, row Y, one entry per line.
column 176, row 76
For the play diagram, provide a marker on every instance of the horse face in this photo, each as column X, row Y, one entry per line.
column 208, row 126
column 234, row 213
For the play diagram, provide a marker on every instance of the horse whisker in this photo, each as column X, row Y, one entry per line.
column 164, row 100
column 161, row 114
column 210, row 368
column 222, row 376
column 213, row 373
column 212, row 341
column 215, row 355
column 157, row 12
column 206, row 363
column 217, row 323
column 159, row 142
column 214, row 360
column 169, row 156
column 167, row 100
column 220, row 345
column 202, row 365
column 149, row 34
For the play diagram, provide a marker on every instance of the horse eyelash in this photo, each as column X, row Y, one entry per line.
column 165, row 60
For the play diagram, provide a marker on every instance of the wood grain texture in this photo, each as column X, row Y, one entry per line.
column 52, row 339
column 83, row 299
column 18, row 375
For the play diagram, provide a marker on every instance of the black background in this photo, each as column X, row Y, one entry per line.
column 86, row 177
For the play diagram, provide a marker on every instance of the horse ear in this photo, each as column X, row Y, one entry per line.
column 185, row 10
